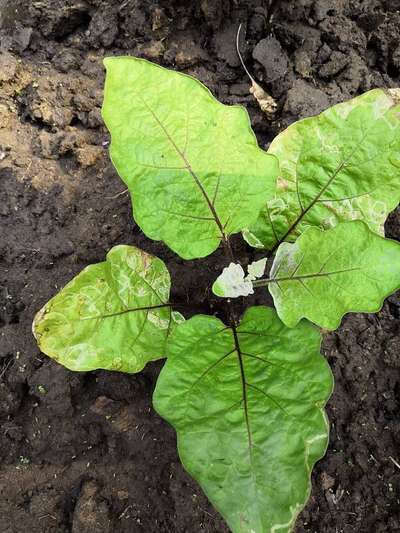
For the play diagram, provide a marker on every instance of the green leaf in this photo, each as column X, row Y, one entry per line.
column 191, row 164
column 113, row 315
column 247, row 404
column 338, row 166
column 326, row 274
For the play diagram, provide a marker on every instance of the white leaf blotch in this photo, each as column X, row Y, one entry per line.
column 232, row 283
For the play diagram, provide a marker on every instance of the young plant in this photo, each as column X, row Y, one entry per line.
column 247, row 396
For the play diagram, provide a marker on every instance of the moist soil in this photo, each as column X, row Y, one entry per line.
column 85, row 452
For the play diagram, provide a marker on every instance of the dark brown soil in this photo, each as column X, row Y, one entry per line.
column 86, row 452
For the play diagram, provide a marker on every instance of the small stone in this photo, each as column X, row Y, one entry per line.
column 153, row 50
column 89, row 155
column 8, row 66
column 67, row 60
column 46, row 145
column 91, row 512
column 225, row 45
column 103, row 27
column 302, row 63
column 270, row 54
column 94, row 118
column 337, row 62
column 191, row 55
column 92, row 66
column 22, row 37
column 324, row 53
column 304, row 100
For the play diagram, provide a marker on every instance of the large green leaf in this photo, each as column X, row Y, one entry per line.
column 341, row 165
column 113, row 315
column 326, row 274
column 247, row 404
column 192, row 164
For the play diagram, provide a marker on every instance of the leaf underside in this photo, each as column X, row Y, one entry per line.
column 192, row 165
column 247, row 405
column 326, row 274
column 113, row 315
column 341, row 165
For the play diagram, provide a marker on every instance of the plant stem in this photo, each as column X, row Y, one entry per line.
column 228, row 249
column 271, row 11
column 263, row 282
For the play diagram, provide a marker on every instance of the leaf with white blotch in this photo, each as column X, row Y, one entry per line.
column 247, row 404
column 256, row 269
column 341, row 165
column 232, row 282
column 113, row 315
column 326, row 274
column 192, row 165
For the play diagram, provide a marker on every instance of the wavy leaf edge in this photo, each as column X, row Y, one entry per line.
column 344, row 108
column 186, row 457
column 75, row 290
column 373, row 309
column 222, row 230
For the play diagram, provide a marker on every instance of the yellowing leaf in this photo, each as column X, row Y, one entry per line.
column 338, row 166
column 113, row 315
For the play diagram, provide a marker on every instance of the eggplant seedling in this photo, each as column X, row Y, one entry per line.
column 247, row 396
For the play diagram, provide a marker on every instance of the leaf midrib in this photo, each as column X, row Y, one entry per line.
column 122, row 312
column 237, row 350
column 244, row 390
column 188, row 167
column 263, row 281
column 316, row 199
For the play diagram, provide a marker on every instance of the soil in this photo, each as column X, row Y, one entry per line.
column 85, row 452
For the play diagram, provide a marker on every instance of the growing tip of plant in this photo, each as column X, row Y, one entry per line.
column 266, row 102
